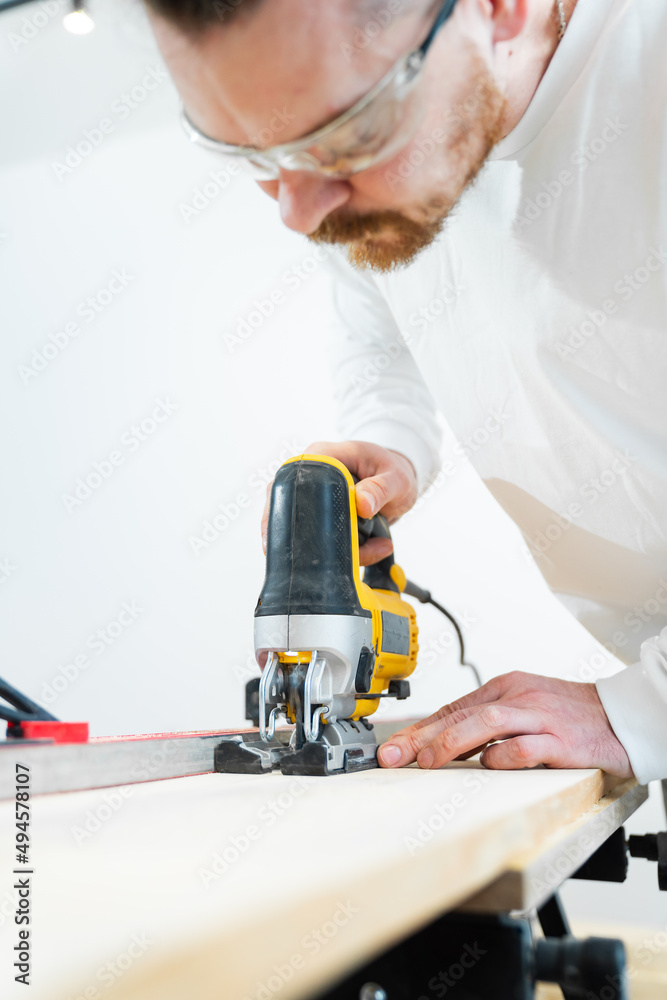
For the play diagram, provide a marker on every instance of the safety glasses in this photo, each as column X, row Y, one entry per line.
column 374, row 129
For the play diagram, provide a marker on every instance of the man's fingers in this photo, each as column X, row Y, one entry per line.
column 486, row 695
column 421, row 724
column 525, row 751
column 402, row 748
column 443, row 741
column 374, row 550
column 392, row 492
column 471, row 753
column 345, row 451
column 431, row 720
column 387, row 478
column 387, row 483
column 489, row 723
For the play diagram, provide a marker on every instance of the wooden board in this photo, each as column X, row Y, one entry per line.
column 233, row 886
column 532, row 876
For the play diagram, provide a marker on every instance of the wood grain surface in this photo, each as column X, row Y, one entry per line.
column 262, row 886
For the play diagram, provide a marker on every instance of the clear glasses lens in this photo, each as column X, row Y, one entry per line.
column 374, row 133
column 362, row 143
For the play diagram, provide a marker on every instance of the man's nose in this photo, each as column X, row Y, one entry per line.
column 305, row 198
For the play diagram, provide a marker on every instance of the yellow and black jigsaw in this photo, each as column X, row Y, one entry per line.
column 330, row 644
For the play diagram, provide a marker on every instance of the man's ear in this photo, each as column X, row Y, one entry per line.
column 509, row 17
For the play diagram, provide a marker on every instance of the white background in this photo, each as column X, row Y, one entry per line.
column 239, row 406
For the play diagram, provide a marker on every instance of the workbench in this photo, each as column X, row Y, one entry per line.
column 235, row 887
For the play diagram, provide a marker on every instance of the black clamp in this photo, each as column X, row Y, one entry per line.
column 496, row 957
column 610, row 862
column 653, row 847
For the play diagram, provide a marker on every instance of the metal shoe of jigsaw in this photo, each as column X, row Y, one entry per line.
column 332, row 645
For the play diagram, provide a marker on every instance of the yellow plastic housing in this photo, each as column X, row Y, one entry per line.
column 388, row 666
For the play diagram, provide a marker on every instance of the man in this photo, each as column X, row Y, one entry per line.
column 542, row 297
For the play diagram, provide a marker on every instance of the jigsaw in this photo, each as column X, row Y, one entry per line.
column 331, row 644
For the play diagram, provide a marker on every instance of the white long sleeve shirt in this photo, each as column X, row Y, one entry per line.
column 537, row 324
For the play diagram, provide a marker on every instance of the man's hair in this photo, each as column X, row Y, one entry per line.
column 196, row 16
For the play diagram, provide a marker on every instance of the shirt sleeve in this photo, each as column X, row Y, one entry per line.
column 380, row 394
column 635, row 701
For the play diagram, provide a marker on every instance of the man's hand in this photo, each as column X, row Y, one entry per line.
column 387, row 484
column 541, row 720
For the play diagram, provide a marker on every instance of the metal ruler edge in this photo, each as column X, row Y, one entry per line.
column 107, row 761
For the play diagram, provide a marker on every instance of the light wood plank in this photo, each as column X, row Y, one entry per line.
column 336, row 857
column 533, row 875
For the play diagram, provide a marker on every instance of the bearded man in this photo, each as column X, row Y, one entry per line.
column 494, row 175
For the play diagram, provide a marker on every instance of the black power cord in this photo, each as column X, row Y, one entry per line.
column 23, row 709
column 6, row 4
column 424, row 596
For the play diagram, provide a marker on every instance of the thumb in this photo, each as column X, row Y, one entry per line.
column 388, row 492
column 368, row 500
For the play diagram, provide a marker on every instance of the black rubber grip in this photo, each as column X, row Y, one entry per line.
column 377, row 576
column 309, row 567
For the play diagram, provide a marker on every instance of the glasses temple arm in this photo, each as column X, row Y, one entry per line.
column 443, row 15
